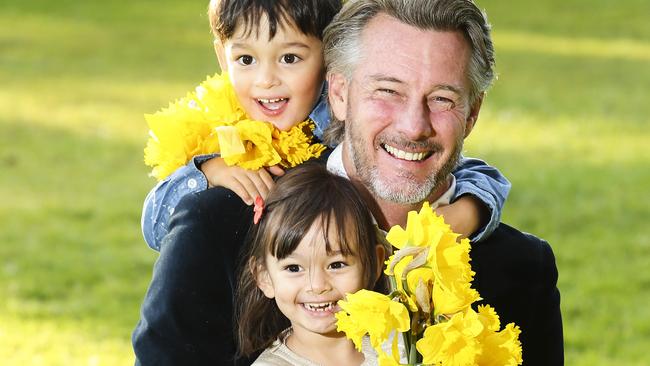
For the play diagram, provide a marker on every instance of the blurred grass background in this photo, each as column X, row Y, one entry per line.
column 567, row 123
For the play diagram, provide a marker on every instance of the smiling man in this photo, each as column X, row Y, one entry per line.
column 406, row 84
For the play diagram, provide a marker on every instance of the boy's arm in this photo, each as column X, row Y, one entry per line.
column 482, row 182
column 163, row 198
column 201, row 173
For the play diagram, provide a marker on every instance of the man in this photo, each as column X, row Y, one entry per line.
column 414, row 89
column 406, row 83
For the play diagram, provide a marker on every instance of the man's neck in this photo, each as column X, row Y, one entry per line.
column 397, row 213
column 389, row 214
column 386, row 213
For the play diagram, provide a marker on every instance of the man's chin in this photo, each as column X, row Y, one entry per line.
column 401, row 191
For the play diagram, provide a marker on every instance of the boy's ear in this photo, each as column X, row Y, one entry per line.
column 473, row 115
column 221, row 55
column 262, row 278
column 338, row 95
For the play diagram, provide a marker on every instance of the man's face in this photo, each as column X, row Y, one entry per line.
column 406, row 110
column 276, row 80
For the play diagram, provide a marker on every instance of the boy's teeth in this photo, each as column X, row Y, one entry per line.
column 405, row 155
column 272, row 104
column 271, row 100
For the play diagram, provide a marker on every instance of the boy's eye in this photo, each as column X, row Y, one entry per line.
column 290, row 58
column 245, row 60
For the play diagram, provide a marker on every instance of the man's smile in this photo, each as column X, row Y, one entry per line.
column 406, row 155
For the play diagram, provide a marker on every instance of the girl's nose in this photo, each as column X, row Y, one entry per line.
column 318, row 282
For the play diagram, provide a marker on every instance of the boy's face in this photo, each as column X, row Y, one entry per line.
column 276, row 80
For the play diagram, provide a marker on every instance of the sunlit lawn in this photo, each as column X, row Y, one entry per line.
column 567, row 122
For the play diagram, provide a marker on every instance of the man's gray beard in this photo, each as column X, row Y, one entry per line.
column 408, row 193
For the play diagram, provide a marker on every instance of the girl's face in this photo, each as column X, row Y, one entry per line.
column 308, row 283
column 276, row 80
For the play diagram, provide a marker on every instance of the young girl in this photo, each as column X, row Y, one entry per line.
column 315, row 242
column 272, row 51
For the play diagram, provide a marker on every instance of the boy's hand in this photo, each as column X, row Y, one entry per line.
column 465, row 215
column 247, row 184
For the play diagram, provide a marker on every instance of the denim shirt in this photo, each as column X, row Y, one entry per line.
column 473, row 176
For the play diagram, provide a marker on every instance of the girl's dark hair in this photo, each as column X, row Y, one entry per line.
column 305, row 195
column 309, row 16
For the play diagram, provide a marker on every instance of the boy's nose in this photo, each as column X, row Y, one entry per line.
column 266, row 76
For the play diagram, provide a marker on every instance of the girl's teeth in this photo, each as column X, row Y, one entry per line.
column 326, row 306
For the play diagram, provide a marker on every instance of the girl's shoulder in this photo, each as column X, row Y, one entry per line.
column 278, row 354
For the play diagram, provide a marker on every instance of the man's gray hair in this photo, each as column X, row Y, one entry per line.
column 342, row 38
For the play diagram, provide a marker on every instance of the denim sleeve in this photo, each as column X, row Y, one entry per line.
column 475, row 177
column 161, row 201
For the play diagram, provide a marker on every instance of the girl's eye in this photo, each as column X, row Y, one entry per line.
column 245, row 60
column 338, row 265
column 290, row 58
column 292, row 268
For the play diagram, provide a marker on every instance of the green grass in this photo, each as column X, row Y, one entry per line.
column 567, row 123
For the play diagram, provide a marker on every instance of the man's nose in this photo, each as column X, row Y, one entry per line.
column 318, row 281
column 266, row 76
column 413, row 121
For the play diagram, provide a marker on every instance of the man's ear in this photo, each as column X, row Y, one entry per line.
column 262, row 278
column 470, row 122
column 221, row 55
column 338, row 94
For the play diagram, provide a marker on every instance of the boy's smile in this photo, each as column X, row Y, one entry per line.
column 276, row 80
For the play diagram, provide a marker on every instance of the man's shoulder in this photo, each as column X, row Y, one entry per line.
column 209, row 200
column 511, row 250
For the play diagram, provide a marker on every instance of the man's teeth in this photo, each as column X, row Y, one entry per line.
column 324, row 306
column 405, row 155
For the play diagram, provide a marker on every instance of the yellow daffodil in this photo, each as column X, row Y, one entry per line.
column 368, row 312
column 191, row 126
column 431, row 276
column 452, row 343
column 499, row 348
column 453, row 298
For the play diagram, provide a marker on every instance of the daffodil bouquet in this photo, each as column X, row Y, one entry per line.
column 211, row 120
column 430, row 306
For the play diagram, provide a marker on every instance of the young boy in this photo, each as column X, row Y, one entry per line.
column 272, row 52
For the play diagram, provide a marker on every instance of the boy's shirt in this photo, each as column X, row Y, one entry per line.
column 473, row 176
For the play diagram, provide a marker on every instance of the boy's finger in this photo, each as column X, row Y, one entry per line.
column 250, row 187
column 276, row 170
column 261, row 189
column 267, row 179
column 242, row 193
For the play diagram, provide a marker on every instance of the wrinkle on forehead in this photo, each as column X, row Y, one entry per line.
column 394, row 50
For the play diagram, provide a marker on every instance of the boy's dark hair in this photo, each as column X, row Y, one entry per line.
column 306, row 195
column 309, row 16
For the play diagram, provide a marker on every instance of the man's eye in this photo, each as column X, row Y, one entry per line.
column 438, row 104
column 292, row 268
column 245, row 60
column 387, row 91
column 290, row 58
column 338, row 265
